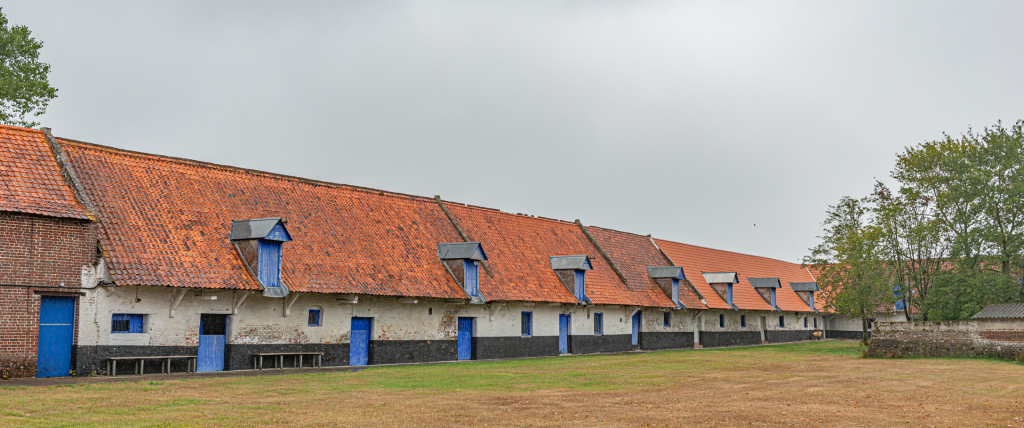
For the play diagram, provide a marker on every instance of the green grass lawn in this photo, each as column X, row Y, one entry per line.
column 754, row 385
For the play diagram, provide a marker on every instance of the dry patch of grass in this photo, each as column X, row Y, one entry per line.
column 810, row 384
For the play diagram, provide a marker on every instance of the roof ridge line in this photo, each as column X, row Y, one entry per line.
column 728, row 251
column 207, row 164
column 620, row 231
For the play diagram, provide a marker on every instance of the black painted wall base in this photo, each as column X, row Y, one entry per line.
column 666, row 340
column 845, row 334
column 590, row 344
column 412, row 351
column 716, row 339
column 93, row 359
column 776, row 336
column 239, row 356
column 488, row 348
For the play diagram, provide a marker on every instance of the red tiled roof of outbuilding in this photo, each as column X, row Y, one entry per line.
column 633, row 254
column 166, row 221
column 519, row 247
column 30, row 179
column 696, row 259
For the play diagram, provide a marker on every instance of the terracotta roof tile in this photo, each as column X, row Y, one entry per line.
column 632, row 254
column 30, row 179
column 695, row 259
column 518, row 247
column 166, row 221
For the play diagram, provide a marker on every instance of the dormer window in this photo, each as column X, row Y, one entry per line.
column 667, row 278
column 572, row 271
column 260, row 243
column 722, row 283
column 463, row 262
column 767, row 288
column 806, row 292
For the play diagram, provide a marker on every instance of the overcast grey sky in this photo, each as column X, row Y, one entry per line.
column 688, row 121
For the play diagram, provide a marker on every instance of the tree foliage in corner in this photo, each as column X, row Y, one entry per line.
column 24, row 88
column 950, row 239
column 850, row 268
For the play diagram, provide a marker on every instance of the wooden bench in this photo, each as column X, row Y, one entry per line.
column 140, row 365
column 257, row 359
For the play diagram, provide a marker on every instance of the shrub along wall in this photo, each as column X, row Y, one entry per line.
column 1002, row 339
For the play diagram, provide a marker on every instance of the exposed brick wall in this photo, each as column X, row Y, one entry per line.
column 1004, row 340
column 35, row 251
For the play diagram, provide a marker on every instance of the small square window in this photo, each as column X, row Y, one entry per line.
column 782, row 321
column 314, row 318
column 743, row 321
column 721, row 320
column 127, row 323
column 598, row 324
column 527, row 324
column 667, row 322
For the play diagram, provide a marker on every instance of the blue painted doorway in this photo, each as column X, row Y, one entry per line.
column 56, row 336
column 636, row 328
column 465, row 338
column 563, row 334
column 212, row 337
column 359, row 347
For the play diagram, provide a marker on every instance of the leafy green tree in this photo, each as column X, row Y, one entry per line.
column 960, row 295
column 914, row 243
column 851, row 272
column 24, row 88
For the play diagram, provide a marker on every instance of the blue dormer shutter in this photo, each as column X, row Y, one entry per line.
column 730, row 294
column 472, row 277
column 675, row 291
column 773, row 299
column 581, row 288
column 812, row 300
column 269, row 263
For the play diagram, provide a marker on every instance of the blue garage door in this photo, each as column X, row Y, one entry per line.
column 465, row 338
column 563, row 334
column 56, row 336
column 636, row 328
column 212, row 336
column 359, row 348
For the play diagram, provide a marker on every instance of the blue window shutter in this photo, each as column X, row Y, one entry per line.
column 314, row 318
column 278, row 233
column 472, row 277
column 773, row 298
column 581, row 288
column 812, row 301
column 675, row 291
column 730, row 294
column 269, row 263
column 527, row 324
column 135, row 323
column 598, row 328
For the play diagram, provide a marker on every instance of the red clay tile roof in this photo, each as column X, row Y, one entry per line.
column 166, row 221
column 518, row 247
column 695, row 259
column 632, row 254
column 30, row 179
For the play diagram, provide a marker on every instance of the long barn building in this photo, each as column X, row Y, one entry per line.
column 107, row 254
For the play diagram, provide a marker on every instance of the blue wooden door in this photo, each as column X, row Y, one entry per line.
column 563, row 334
column 56, row 336
column 465, row 338
column 359, row 348
column 636, row 328
column 212, row 338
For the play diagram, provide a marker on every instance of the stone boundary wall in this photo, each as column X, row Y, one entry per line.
column 1003, row 339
